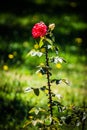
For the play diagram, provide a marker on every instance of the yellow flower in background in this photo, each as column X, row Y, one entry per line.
column 39, row 74
column 5, row 67
column 46, row 91
column 30, row 117
column 48, row 105
column 43, row 50
column 78, row 40
column 58, row 65
column 10, row 56
column 36, row 46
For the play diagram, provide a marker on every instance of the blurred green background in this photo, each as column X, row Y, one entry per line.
column 17, row 72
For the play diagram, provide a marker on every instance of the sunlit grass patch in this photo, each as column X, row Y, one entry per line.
column 17, row 83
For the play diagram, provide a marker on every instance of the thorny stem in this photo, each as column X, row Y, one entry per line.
column 49, row 85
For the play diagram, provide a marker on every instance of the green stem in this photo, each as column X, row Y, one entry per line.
column 49, row 85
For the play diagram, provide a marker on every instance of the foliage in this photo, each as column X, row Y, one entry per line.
column 56, row 113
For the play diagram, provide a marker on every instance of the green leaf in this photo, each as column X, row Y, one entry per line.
column 58, row 96
column 28, row 89
column 32, row 53
column 42, row 109
column 57, row 81
column 56, row 50
column 27, row 123
column 66, row 81
column 43, row 88
column 59, row 109
column 48, row 120
column 35, row 53
column 57, row 59
column 42, row 70
column 56, row 103
column 41, row 42
column 56, row 119
column 39, row 53
column 35, row 122
column 49, row 41
column 32, row 110
column 36, row 91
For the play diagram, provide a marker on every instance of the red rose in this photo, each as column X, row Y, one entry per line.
column 39, row 30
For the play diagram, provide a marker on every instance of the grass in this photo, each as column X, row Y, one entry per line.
column 17, row 80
